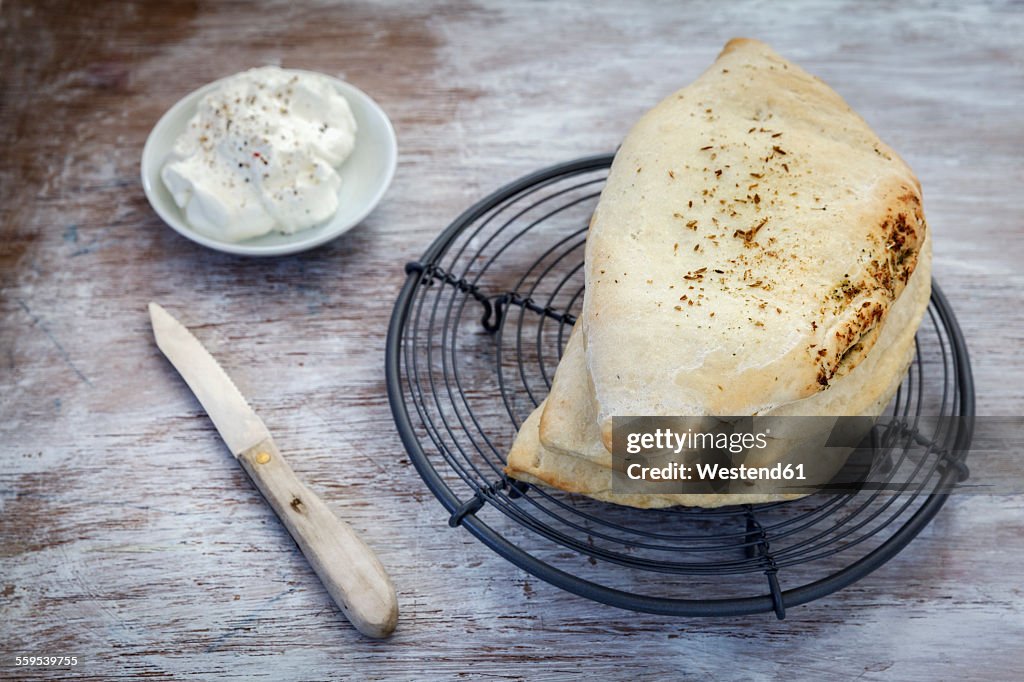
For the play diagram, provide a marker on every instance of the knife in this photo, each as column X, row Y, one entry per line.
column 348, row 568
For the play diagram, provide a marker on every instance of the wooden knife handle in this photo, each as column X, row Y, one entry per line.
column 348, row 568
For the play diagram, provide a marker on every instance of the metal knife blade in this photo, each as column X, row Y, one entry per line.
column 239, row 426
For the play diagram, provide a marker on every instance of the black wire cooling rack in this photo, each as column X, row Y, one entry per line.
column 474, row 340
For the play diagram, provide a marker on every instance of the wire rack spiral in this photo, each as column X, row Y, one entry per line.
column 474, row 340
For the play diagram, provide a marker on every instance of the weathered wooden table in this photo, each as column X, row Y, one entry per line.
column 130, row 538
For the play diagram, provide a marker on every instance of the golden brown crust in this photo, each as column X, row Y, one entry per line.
column 736, row 44
column 861, row 304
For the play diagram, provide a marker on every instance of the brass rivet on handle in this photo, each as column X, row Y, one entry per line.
column 262, row 458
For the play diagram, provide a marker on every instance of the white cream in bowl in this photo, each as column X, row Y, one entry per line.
column 261, row 155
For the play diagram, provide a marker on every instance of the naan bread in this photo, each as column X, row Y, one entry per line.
column 752, row 237
column 582, row 464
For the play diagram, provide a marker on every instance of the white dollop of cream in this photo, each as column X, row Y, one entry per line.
column 261, row 154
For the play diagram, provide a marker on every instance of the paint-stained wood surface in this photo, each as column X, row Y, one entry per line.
column 130, row 538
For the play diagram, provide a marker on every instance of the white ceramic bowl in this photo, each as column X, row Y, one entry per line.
column 365, row 175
